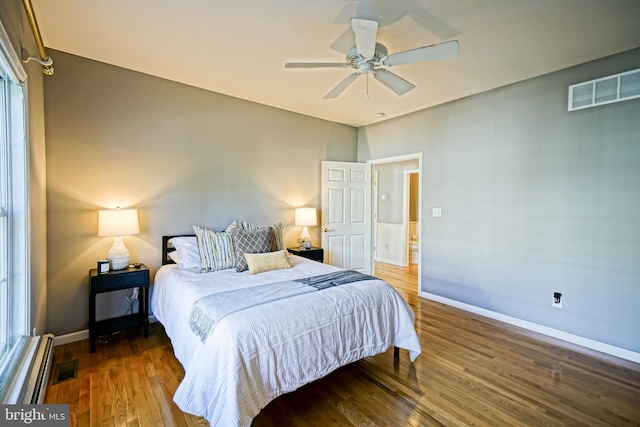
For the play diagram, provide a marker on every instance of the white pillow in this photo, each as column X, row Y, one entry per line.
column 259, row 263
column 186, row 254
column 175, row 257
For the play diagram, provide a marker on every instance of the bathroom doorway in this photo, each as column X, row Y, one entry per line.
column 396, row 219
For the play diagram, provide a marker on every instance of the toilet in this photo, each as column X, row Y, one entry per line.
column 413, row 250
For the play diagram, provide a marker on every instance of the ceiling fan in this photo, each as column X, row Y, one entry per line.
column 367, row 55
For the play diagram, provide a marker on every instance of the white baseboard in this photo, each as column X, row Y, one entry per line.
column 72, row 337
column 83, row 335
column 545, row 330
column 389, row 261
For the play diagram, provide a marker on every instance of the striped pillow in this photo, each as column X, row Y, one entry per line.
column 216, row 249
column 276, row 238
column 233, row 226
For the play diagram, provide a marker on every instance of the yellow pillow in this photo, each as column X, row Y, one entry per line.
column 259, row 263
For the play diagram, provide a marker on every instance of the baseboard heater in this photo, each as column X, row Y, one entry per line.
column 31, row 371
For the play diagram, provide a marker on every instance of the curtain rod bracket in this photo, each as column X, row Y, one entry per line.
column 47, row 66
column 47, row 63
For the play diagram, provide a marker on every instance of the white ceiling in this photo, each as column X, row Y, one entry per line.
column 239, row 48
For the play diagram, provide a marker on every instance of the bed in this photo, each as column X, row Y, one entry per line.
column 255, row 351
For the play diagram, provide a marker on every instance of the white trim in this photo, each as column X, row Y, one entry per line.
column 21, row 372
column 83, row 334
column 72, row 337
column 13, row 65
column 401, row 158
column 545, row 330
column 374, row 214
column 15, row 134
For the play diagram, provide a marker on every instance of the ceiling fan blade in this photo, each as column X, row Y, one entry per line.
column 316, row 65
column 393, row 82
column 341, row 86
column 365, row 32
column 344, row 42
column 426, row 53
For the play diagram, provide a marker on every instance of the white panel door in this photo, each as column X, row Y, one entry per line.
column 346, row 215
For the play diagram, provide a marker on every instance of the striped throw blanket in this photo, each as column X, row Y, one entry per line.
column 209, row 310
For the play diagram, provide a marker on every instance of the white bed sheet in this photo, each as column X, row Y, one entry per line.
column 258, row 354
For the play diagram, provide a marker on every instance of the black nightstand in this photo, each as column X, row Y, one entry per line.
column 316, row 254
column 114, row 281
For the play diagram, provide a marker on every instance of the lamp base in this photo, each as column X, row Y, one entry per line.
column 304, row 241
column 118, row 255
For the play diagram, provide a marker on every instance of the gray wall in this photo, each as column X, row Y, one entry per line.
column 391, row 185
column 15, row 23
column 534, row 200
column 180, row 155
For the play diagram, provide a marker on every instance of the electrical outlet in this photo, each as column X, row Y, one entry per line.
column 557, row 300
column 436, row 212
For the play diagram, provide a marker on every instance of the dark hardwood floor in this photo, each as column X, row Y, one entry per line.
column 472, row 371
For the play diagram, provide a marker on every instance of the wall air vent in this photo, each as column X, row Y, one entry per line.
column 606, row 90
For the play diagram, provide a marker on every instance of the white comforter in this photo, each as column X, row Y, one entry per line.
column 257, row 354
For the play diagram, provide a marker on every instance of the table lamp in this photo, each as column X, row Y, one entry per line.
column 118, row 222
column 305, row 217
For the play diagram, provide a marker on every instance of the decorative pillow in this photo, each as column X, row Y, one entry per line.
column 276, row 238
column 259, row 263
column 215, row 249
column 249, row 226
column 251, row 242
column 233, row 226
column 186, row 254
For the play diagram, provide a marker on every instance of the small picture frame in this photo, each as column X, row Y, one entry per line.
column 103, row 266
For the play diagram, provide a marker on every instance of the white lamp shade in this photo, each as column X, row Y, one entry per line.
column 306, row 217
column 118, row 222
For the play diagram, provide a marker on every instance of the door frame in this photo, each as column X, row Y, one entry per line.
column 393, row 159
column 374, row 217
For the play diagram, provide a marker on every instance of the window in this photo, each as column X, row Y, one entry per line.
column 14, row 213
column 4, row 237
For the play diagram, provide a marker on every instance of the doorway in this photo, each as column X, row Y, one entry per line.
column 396, row 214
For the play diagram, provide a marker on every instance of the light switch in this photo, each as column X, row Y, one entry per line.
column 436, row 212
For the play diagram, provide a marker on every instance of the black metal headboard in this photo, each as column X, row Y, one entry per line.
column 167, row 247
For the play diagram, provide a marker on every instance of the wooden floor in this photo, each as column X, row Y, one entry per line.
column 472, row 371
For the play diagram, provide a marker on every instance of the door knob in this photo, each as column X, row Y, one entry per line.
column 326, row 230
